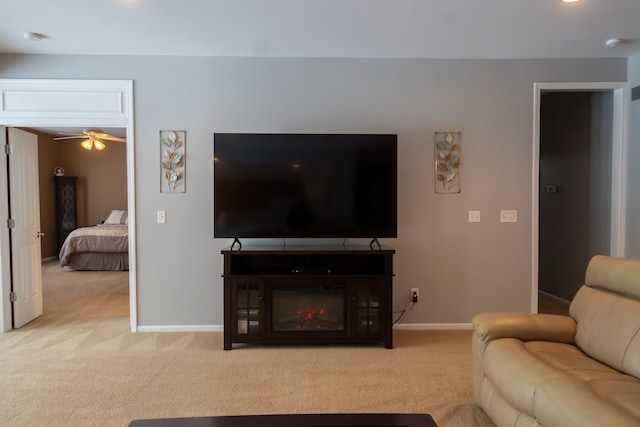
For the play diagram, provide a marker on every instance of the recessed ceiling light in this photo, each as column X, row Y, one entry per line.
column 570, row 1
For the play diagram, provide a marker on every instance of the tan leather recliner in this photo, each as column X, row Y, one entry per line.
column 578, row 370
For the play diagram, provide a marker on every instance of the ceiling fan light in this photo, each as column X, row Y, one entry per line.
column 98, row 144
column 87, row 144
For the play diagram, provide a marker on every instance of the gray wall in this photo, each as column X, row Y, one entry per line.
column 633, row 199
column 461, row 268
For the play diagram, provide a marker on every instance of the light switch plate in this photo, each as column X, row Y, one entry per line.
column 162, row 217
column 474, row 216
column 509, row 216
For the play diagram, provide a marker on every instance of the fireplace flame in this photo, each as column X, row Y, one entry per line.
column 310, row 318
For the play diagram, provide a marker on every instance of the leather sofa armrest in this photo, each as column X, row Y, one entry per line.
column 524, row 326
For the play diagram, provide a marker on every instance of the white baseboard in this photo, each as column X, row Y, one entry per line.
column 553, row 297
column 432, row 326
column 399, row 327
column 182, row 328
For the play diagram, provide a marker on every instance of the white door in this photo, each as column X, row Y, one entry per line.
column 24, row 206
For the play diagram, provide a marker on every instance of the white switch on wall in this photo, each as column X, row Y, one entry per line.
column 474, row 216
column 509, row 216
column 162, row 217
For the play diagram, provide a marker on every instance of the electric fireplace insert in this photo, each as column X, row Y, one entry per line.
column 308, row 308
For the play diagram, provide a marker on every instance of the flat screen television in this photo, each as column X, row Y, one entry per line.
column 269, row 185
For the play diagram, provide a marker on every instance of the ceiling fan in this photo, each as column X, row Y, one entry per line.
column 92, row 138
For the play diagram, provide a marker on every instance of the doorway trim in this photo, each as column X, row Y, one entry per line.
column 69, row 103
column 619, row 167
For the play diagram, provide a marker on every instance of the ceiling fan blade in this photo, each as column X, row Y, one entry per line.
column 70, row 133
column 69, row 137
column 113, row 138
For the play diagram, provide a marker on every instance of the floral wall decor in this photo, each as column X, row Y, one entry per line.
column 172, row 166
column 447, row 162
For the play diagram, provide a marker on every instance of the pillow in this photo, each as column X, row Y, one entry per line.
column 117, row 217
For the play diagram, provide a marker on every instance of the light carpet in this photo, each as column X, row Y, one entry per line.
column 78, row 365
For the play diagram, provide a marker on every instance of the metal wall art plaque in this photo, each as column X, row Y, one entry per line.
column 172, row 161
column 447, row 162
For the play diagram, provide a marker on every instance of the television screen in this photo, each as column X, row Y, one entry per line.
column 305, row 185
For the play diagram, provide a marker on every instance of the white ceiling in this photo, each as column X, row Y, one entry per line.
column 324, row 28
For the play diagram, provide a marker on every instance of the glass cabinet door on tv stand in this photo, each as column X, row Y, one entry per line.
column 248, row 314
column 368, row 312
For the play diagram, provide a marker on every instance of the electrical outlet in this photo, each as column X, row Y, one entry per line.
column 414, row 294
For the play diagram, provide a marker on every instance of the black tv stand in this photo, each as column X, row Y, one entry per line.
column 304, row 294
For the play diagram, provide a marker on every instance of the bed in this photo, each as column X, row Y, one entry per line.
column 103, row 247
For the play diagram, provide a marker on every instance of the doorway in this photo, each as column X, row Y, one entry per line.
column 94, row 183
column 575, row 187
column 69, row 103
column 578, row 183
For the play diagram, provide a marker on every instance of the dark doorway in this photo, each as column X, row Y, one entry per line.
column 576, row 139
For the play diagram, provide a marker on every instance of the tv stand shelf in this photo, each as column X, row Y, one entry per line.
column 320, row 294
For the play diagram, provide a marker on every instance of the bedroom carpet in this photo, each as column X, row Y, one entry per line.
column 78, row 365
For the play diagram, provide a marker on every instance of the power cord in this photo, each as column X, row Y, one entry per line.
column 402, row 313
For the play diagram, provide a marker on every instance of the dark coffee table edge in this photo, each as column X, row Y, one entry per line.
column 294, row 420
